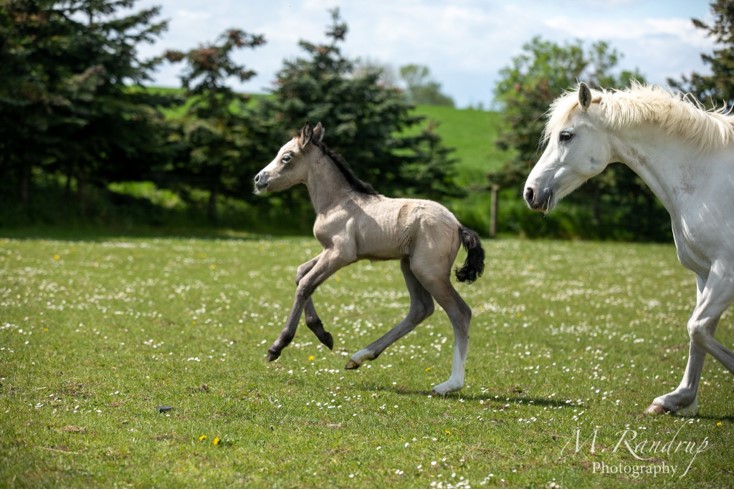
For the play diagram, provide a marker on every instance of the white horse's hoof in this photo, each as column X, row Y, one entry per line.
column 445, row 388
column 352, row 365
column 689, row 411
column 656, row 409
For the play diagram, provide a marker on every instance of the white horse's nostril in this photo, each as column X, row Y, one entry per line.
column 529, row 194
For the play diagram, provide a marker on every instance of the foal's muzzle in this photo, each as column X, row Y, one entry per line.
column 261, row 181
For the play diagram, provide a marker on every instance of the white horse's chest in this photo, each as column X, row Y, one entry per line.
column 703, row 227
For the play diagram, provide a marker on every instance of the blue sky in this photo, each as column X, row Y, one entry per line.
column 465, row 43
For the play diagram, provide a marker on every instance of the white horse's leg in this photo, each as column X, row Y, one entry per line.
column 715, row 294
column 327, row 263
column 421, row 307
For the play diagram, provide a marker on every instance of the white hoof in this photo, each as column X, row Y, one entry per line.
column 658, row 407
column 447, row 387
column 357, row 359
column 689, row 411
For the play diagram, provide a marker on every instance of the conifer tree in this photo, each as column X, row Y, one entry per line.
column 66, row 102
column 372, row 125
column 216, row 133
column 716, row 88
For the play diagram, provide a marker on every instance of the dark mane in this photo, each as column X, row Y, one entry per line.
column 355, row 182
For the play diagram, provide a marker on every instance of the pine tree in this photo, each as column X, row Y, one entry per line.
column 718, row 87
column 66, row 102
column 216, row 133
column 372, row 125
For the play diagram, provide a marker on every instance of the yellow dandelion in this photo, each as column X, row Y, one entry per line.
column 447, row 432
column 719, row 424
column 202, row 437
column 215, row 441
column 311, row 358
column 57, row 257
column 212, row 266
column 428, row 370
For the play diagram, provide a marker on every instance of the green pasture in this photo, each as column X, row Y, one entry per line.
column 473, row 134
column 568, row 339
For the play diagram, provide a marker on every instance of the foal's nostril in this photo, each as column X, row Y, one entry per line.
column 529, row 195
column 261, row 180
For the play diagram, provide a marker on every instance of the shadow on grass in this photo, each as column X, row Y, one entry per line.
column 101, row 234
column 495, row 399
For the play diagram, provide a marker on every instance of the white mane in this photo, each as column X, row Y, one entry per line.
column 677, row 114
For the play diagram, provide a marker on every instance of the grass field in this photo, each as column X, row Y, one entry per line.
column 568, row 338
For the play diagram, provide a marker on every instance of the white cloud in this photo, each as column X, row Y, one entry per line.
column 464, row 42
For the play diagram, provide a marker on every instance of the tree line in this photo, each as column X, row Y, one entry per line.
column 76, row 115
column 73, row 106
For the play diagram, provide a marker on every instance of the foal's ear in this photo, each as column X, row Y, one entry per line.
column 318, row 133
column 584, row 96
column 305, row 136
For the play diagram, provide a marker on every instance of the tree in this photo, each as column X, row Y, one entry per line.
column 66, row 105
column 370, row 123
column 215, row 133
column 525, row 91
column 420, row 88
column 717, row 87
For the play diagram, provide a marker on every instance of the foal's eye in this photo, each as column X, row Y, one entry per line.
column 565, row 136
column 287, row 158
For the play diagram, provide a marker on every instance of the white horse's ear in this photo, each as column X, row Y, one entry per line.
column 318, row 133
column 584, row 96
column 306, row 134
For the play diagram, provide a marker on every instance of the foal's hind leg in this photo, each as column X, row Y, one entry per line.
column 421, row 307
column 459, row 314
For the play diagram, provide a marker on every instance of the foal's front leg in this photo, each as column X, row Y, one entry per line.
column 328, row 262
column 313, row 322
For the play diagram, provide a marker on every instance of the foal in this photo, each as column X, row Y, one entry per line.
column 354, row 222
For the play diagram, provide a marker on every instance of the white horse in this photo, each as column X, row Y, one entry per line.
column 686, row 156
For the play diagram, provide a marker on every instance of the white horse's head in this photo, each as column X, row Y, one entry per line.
column 577, row 149
column 291, row 165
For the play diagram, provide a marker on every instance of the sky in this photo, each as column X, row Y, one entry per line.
column 464, row 43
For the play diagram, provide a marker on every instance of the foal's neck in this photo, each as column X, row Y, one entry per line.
column 327, row 186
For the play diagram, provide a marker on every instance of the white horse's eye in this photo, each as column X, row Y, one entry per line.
column 565, row 136
column 287, row 158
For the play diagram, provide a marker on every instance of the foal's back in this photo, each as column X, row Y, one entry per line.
column 388, row 228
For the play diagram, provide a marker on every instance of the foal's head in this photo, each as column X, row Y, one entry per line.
column 290, row 166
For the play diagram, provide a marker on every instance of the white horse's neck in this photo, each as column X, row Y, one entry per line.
column 672, row 169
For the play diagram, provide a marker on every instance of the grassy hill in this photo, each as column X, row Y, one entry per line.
column 473, row 135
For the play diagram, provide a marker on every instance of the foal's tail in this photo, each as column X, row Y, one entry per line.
column 474, row 263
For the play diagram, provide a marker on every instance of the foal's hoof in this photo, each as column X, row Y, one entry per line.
column 327, row 340
column 272, row 355
column 656, row 409
column 352, row 365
